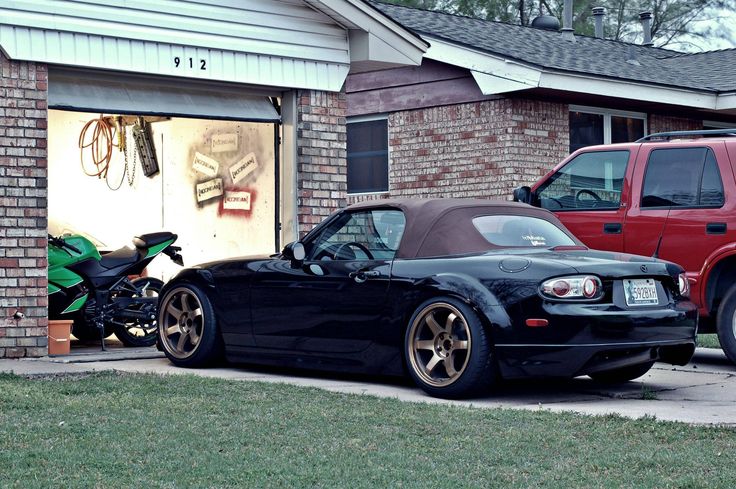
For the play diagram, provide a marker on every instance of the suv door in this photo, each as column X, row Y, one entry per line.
column 589, row 195
column 678, row 207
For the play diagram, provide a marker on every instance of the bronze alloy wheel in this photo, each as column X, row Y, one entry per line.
column 181, row 322
column 440, row 342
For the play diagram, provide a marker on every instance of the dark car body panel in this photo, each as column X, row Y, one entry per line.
column 314, row 314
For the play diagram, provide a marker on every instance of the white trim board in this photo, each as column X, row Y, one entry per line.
column 497, row 75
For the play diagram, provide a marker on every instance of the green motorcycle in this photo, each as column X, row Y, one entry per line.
column 96, row 292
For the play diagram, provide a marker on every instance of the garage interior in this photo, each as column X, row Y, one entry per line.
column 213, row 181
column 130, row 155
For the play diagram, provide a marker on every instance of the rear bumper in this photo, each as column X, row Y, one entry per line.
column 587, row 339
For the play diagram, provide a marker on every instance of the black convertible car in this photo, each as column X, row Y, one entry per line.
column 458, row 293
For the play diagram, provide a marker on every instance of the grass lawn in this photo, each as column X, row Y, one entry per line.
column 709, row 341
column 109, row 430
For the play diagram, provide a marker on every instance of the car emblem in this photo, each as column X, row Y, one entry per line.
column 644, row 268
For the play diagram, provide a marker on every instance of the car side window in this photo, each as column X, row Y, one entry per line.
column 591, row 181
column 682, row 177
column 362, row 235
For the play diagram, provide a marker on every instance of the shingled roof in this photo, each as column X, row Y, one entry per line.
column 713, row 71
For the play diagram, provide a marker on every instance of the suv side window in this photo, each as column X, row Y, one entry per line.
column 682, row 177
column 590, row 181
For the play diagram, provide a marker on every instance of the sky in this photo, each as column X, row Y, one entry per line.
column 724, row 21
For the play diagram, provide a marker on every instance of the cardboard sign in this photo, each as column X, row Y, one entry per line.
column 209, row 190
column 236, row 201
column 224, row 142
column 205, row 165
column 243, row 168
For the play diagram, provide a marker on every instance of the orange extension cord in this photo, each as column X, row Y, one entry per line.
column 100, row 146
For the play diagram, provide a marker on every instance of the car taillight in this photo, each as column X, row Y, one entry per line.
column 586, row 287
column 683, row 285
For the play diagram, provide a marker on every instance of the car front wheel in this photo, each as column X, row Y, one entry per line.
column 187, row 327
column 448, row 352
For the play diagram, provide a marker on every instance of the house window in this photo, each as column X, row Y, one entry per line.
column 367, row 156
column 590, row 126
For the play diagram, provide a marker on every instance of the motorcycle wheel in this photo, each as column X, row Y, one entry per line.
column 137, row 332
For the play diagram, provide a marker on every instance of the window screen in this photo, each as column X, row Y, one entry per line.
column 682, row 177
column 367, row 156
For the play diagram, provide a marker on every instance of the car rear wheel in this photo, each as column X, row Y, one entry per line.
column 620, row 375
column 726, row 324
column 187, row 327
column 448, row 352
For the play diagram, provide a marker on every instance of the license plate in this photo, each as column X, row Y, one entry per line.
column 641, row 292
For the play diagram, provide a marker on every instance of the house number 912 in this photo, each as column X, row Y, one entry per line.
column 190, row 63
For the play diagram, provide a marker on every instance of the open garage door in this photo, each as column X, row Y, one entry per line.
column 213, row 175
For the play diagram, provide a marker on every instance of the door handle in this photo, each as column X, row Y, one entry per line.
column 715, row 228
column 363, row 275
column 612, row 228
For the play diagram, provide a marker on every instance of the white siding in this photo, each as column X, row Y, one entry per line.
column 264, row 42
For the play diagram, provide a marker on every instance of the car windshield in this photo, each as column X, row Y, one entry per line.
column 521, row 231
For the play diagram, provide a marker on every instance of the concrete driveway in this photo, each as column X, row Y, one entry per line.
column 702, row 392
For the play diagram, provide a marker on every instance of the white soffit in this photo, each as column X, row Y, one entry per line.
column 491, row 84
column 496, row 75
column 259, row 42
column 120, row 94
column 726, row 101
column 376, row 41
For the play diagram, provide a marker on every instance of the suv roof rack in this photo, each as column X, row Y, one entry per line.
column 677, row 134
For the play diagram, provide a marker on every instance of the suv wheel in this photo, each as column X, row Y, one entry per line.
column 726, row 324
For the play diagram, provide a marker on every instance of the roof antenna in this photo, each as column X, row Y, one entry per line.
column 661, row 234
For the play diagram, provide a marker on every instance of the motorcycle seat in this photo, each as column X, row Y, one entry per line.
column 145, row 241
column 117, row 258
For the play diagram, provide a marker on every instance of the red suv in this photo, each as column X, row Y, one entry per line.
column 668, row 195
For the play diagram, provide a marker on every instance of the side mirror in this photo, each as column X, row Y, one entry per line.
column 294, row 251
column 523, row 194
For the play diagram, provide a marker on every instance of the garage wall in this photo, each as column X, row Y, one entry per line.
column 23, row 95
column 187, row 197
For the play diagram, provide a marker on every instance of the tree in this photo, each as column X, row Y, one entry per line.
column 676, row 23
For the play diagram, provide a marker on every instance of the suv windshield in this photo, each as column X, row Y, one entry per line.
column 521, row 231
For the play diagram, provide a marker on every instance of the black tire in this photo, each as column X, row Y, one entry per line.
column 621, row 375
column 726, row 324
column 87, row 332
column 459, row 346
column 187, row 327
column 140, row 333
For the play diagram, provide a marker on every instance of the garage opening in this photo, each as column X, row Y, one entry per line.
column 131, row 155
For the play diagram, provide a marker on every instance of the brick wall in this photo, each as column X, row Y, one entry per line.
column 23, row 208
column 321, row 156
column 662, row 123
column 480, row 149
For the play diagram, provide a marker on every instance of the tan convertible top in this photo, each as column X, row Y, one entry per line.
column 438, row 227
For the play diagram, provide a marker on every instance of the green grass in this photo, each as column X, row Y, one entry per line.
column 109, row 430
column 709, row 341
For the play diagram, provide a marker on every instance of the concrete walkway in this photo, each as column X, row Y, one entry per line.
column 702, row 392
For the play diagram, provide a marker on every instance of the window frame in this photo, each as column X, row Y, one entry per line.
column 552, row 179
column 371, row 118
column 607, row 115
